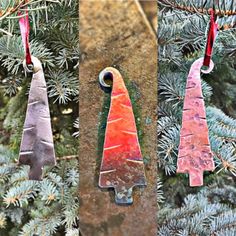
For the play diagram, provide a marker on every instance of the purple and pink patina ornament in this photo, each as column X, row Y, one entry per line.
column 195, row 154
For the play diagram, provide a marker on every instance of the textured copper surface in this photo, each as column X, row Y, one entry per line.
column 37, row 147
column 195, row 154
column 114, row 33
column 122, row 165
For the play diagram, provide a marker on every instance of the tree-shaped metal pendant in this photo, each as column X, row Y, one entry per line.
column 195, row 154
column 122, row 165
column 37, row 147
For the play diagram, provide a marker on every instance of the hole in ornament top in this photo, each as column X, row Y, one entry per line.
column 108, row 77
column 105, row 81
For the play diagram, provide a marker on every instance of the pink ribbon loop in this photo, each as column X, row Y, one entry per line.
column 25, row 30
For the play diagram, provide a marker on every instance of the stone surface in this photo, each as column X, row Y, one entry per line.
column 195, row 154
column 114, row 33
column 150, row 10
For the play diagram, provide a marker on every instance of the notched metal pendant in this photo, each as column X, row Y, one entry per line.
column 195, row 154
column 122, row 165
column 37, row 148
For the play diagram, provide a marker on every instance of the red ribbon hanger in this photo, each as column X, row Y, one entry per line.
column 25, row 30
column 212, row 33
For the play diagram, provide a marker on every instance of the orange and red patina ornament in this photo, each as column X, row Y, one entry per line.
column 122, row 165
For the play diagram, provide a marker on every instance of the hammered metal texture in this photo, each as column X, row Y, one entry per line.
column 195, row 154
column 122, row 165
column 37, row 147
column 108, row 36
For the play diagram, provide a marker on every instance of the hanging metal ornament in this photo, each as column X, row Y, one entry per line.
column 195, row 154
column 122, row 165
column 37, row 149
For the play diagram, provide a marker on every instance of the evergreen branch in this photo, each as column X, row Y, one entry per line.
column 222, row 222
column 227, row 26
column 11, row 84
column 72, row 232
column 5, row 170
column 12, row 53
column 55, row 179
column 197, row 216
column 226, row 193
column 159, row 191
column 168, row 149
column 19, row 195
column 193, row 9
column 48, row 191
column 15, row 214
column 70, row 212
column 50, row 206
column 222, row 119
column 72, row 177
column 182, row 37
column 10, row 10
column 3, row 220
column 164, row 123
column 38, row 226
column 20, row 175
column 63, row 85
column 227, row 158
column 76, row 125
column 6, row 11
column 172, row 89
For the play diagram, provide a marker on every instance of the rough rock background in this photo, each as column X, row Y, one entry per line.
column 122, row 35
